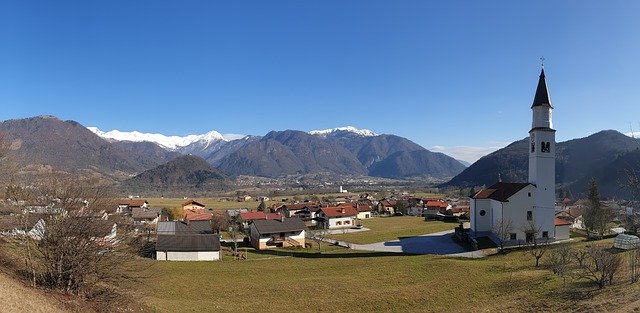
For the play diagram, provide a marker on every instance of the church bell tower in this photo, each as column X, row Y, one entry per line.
column 542, row 150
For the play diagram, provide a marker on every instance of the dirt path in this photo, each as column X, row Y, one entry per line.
column 15, row 297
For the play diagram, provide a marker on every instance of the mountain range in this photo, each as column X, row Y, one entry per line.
column 606, row 156
column 48, row 143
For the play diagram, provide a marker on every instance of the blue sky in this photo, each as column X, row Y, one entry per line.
column 453, row 76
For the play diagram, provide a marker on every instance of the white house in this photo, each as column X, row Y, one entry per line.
column 337, row 217
column 364, row 211
column 528, row 207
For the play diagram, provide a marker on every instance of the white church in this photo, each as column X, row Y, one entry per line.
column 528, row 207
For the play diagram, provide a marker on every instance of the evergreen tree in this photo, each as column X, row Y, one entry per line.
column 595, row 216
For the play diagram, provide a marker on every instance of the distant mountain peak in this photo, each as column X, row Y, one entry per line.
column 347, row 129
column 167, row 142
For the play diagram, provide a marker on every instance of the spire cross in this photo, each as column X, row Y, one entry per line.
column 542, row 61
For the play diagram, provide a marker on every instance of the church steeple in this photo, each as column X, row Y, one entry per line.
column 542, row 94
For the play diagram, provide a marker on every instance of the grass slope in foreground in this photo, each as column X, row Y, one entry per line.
column 340, row 280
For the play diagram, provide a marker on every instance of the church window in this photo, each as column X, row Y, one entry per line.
column 529, row 215
column 513, row 236
column 546, row 147
column 529, row 194
column 533, row 146
column 545, row 234
column 483, row 212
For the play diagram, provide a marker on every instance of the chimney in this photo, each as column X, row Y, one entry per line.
column 282, row 218
column 342, row 210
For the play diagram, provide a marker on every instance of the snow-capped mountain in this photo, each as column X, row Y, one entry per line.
column 346, row 129
column 173, row 143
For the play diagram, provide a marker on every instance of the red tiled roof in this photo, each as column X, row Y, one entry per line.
column 339, row 211
column 250, row 216
column 363, row 208
column 500, row 191
column 439, row 204
column 197, row 216
column 132, row 202
column 561, row 222
column 388, row 203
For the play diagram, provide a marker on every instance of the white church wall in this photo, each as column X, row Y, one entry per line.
column 516, row 210
column 481, row 222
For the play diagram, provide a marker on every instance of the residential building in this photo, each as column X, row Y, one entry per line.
column 337, row 217
column 283, row 232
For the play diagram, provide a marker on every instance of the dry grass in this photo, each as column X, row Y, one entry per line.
column 16, row 297
column 392, row 228
column 340, row 280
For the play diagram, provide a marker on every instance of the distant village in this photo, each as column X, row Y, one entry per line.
column 194, row 232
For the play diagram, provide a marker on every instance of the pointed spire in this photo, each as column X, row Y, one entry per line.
column 542, row 95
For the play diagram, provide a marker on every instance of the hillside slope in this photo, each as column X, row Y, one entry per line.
column 577, row 161
column 16, row 297
column 186, row 172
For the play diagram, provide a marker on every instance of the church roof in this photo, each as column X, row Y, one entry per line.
column 500, row 191
column 542, row 94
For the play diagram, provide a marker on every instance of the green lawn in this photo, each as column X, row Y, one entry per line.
column 394, row 227
column 340, row 280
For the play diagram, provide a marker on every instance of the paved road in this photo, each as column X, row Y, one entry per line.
column 440, row 243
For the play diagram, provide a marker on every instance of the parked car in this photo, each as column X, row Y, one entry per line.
column 359, row 226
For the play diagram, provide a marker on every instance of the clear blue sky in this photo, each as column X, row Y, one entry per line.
column 455, row 74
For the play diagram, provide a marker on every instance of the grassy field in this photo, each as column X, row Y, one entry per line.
column 340, row 280
column 394, row 227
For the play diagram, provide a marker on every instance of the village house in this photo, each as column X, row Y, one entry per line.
column 364, row 211
column 186, row 241
column 283, row 232
column 126, row 206
column 193, row 205
column 435, row 209
column 197, row 215
column 145, row 215
column 246, row 218
column 563, row 228
column 387, row 207
column 195, row 211
column 336, row 217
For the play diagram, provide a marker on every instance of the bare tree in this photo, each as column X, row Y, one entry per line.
column 235, row 227
column 634, row 262
column 220, row 221
column 580, row 256
column 601, row 265
column 318, row 235
column 537, row 247
column 74, row 249
column 560, row 261
column 503, row 229
column 631, row 183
